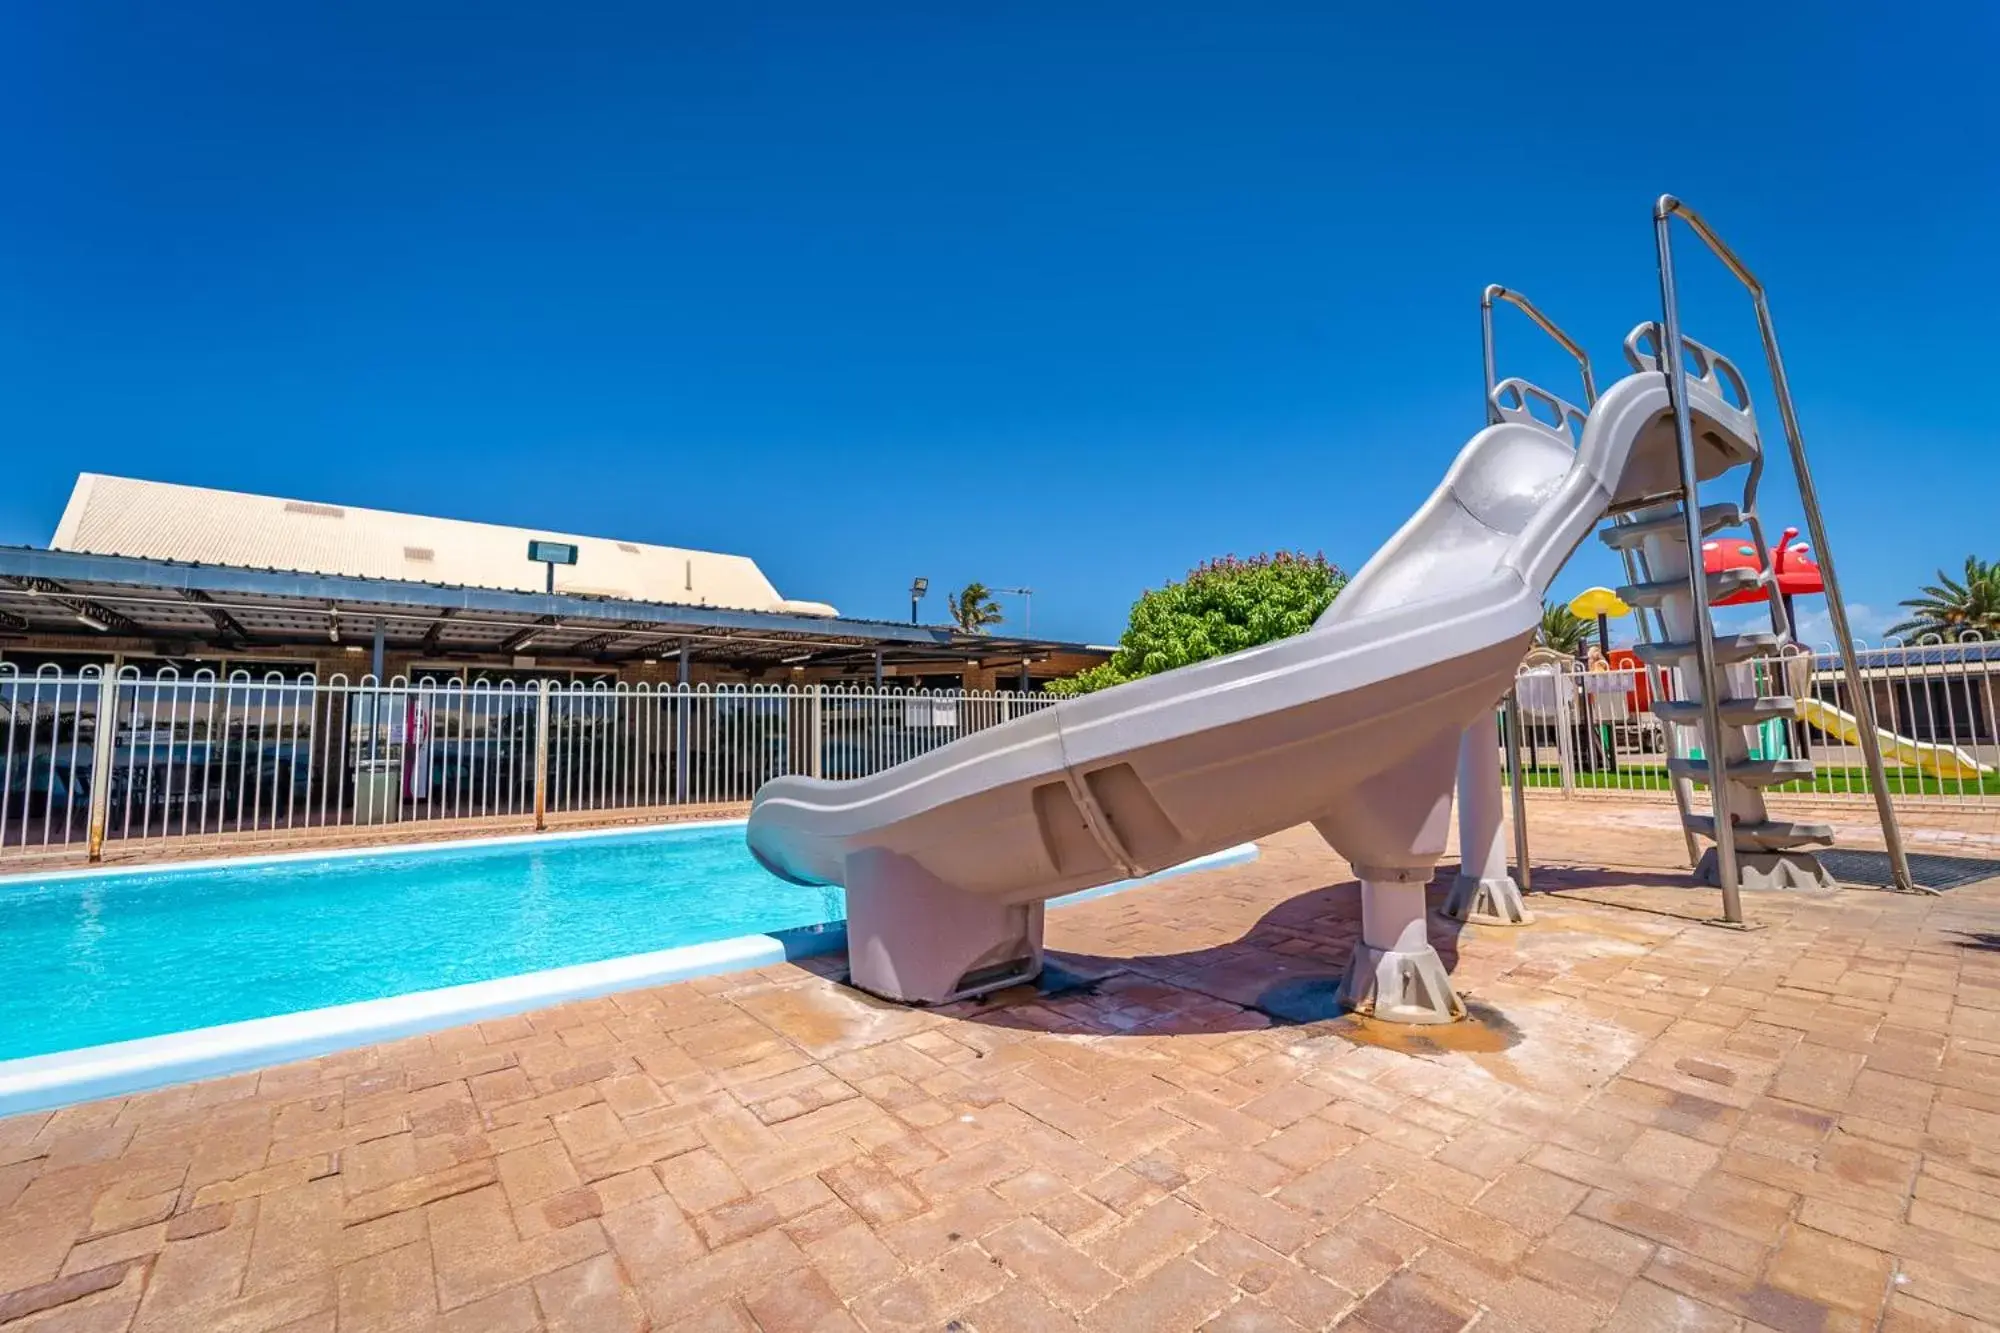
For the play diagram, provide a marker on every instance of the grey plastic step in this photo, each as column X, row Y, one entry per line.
column 1735, row 712
column 1769, row 834
column 1714, row 518
column 1720, row 585
column 1728, row 648
column 1749, row 772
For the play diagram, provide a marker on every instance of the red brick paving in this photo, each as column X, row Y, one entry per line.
column 1651, row 1123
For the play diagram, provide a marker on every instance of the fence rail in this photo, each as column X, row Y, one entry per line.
column 1588, row 732
column 203, row 756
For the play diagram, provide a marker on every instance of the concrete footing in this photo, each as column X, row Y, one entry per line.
column 1768, row 870
column 1493, row 901
column 1395, row 975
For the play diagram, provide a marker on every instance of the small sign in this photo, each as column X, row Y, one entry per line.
column 553, row 553
column 923, row 710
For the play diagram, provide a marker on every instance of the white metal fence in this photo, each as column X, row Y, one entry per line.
column 1593, row 732
column 201, row 756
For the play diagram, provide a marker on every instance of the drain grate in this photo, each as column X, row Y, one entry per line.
column 1871, row 869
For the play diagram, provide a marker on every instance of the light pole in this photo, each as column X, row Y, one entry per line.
column 918, row 587
column 1027, row 596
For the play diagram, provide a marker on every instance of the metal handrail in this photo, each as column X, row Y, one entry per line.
column 1664, row 211
column 1704, row 627
column 1495, row 292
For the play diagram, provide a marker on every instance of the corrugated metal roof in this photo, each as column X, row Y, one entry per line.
column 163, row 521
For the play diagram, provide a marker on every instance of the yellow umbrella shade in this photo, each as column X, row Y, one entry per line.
column 1598, row 602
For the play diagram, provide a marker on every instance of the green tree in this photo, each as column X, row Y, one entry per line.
column 1563, row 631
column 1951, row 607
column 974, row 609
column 1222, row 607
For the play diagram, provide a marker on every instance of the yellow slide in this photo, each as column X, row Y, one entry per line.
column 1943, row 761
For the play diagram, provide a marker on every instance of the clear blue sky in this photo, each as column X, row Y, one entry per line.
column 1070, row 299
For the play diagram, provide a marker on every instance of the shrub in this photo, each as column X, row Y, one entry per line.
column 1223, row 606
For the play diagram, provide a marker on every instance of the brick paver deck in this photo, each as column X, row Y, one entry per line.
column 1650, row 1123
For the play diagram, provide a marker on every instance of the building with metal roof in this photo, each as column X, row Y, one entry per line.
column 148, row 571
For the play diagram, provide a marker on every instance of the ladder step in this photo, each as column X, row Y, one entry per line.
column 1768, row 834
column 1714, row 518
column 1720, row 585
column 1749, row 772
column 1735, row 712
column 1728, row 648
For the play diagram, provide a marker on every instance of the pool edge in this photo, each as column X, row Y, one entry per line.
column 115, row 1069
column 478, row 842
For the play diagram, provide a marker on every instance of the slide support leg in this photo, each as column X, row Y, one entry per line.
column 1484, row 894
column 1395, row 975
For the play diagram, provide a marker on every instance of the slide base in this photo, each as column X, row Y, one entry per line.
column 1394, row 975
column 1768, row 870
column 916, row 940
column 1494, row 901
column 1400, row 986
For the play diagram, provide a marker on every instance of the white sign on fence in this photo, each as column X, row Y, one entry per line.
column 930, row 711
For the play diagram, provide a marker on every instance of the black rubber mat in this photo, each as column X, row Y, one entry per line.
column 1926, row 868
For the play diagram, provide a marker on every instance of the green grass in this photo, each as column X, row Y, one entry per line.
column 1829, row 781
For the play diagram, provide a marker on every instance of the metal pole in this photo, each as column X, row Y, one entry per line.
column 375, row 657
column 818, row 765
column 878, row 668
column 1486, row 346
column 1523, row 873
column 541, row 754
column 103, row 755
column 1836, row 605
column 1704, row 631
column 681, row 733
column 1864, row 703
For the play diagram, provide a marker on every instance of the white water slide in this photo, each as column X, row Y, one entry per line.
column 1354, row 726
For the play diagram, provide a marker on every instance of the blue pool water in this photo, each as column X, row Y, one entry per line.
column 104, row 958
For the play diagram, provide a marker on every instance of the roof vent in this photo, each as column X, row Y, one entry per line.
column 628, row 548
column 419, row 553
column 318, row 511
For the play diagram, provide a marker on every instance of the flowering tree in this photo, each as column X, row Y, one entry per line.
column 1221, row 607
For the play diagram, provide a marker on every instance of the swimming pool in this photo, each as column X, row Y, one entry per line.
column 349, row 947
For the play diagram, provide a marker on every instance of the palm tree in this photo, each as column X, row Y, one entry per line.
column 1563, row 631
column 1951, row 607
column 974, row 609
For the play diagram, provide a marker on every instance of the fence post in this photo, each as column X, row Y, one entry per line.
column 817, row 765
column 1524, row 870
column 103, row 751
column 1566, row 697
column 541, row 754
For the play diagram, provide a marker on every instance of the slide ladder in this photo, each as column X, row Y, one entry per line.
column 1717, row 700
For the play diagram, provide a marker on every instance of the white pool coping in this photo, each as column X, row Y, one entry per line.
column 172, row 867
column 39, row 1082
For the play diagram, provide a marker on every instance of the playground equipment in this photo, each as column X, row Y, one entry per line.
column 1935, row 758
column 1358, row 726
column 1796, row 574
